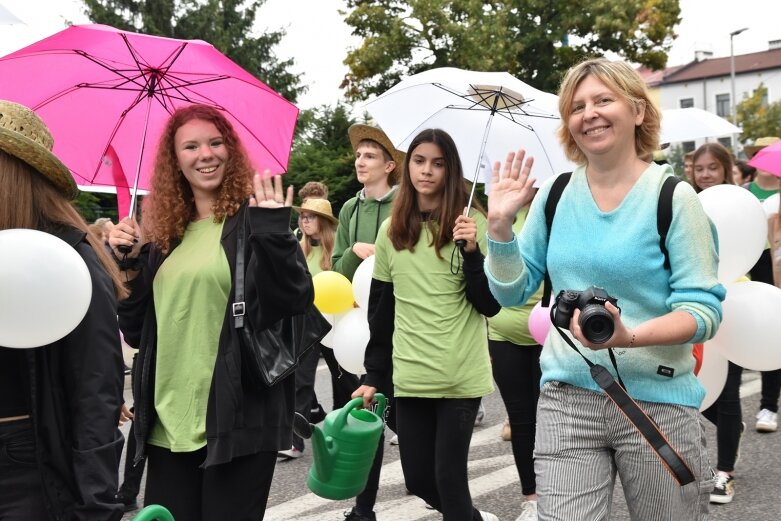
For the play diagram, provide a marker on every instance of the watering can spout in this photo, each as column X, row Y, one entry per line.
column 323, row 448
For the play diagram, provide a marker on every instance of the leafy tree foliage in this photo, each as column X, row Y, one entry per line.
column 535, row 40
column 757, row 118
column 226, row 24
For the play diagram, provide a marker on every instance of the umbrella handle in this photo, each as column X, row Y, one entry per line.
column 124, row 248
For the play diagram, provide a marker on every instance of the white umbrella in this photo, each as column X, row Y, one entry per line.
column 693, row 123
column 486, row 113
column 8, row 18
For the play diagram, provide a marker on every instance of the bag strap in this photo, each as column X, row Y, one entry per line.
column 239, row 306
column 664, row 215
column 550, row 212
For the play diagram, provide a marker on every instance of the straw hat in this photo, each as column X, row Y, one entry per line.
column 359, row 132
column 319, row 207
column 25, row 136
column 759, row 144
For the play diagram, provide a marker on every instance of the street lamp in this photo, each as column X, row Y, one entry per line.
column 732, row 80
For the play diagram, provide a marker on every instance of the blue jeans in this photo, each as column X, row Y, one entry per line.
column 21, row 493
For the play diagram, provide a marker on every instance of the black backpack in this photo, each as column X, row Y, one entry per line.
column 664, row 216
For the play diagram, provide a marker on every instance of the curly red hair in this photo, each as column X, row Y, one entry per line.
column 170, row 205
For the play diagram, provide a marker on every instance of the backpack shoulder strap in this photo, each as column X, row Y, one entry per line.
column 550, row 212
column 664, row 215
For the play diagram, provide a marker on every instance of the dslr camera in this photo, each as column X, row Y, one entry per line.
column 596, row 322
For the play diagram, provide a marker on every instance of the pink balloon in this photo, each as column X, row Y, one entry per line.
column 539, row 322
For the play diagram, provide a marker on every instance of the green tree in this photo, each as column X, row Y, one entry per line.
column 322, row 152
column 756, row 117
column 535, row 40
column 226, row 24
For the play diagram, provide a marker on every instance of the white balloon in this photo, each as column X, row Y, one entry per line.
column 770, row 205
column 328, row 339
column 741, row 225
column 712, row 375
column 45, row 288
column 362, row 281
column 750, row 331
column 351, row 334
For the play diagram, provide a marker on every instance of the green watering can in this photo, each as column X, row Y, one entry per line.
column 343, row 448
column 154, row 513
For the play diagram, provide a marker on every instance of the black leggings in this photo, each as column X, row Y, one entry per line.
column 517, row 374
column 434, row 436
column 726, row 415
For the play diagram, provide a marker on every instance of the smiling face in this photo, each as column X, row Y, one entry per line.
column 202, row 156
column 601, row 122
column 708, row 171
column 427, row 173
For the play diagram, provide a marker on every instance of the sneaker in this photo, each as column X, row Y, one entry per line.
column 293, row 453
column 354, row 515
column 528, row 511
column 394, row 440
column 316, row 414
column 767, row 421
column 723, row 488
column 480, row 414
column 487, row 516
column 128, row 503
column 127, row 370
column 506, row 433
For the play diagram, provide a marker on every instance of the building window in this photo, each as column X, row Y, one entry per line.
column 687, row 103
column 688, row 146
column 726, row 142
column 722, row 105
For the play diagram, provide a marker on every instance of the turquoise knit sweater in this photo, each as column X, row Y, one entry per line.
column 619, row 251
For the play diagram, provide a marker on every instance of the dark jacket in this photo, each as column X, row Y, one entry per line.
column 239, row 421
column 75, row 387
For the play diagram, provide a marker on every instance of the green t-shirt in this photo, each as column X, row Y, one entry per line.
column 313, row 260
column 760, row 193
column 190, row 292
column 440, row 346
column 512, row 324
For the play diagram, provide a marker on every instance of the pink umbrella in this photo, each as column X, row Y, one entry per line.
column 768, row 159
column 107, row 93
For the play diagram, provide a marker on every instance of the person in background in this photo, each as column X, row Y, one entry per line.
column 713, row 166
column 688, row 165
column 211, row 440
column 605, row 235
column 743, row 173
column 310, row 190
column 763, row 186
column 427, row 322
column 377, row 167
column 59, row 403
column 318, row 227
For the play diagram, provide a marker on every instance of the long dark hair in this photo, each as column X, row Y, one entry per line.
column 406, row 219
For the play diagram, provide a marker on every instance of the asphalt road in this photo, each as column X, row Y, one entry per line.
column 494, row 481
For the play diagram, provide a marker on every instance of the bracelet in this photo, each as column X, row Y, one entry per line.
column 631, row 342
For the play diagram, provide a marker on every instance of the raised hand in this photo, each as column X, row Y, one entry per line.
column 268, row 191
column 509, row 193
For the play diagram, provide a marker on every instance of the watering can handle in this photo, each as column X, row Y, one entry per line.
column 154, row 513
column 355, row 403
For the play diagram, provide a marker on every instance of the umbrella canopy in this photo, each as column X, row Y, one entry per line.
column 8, row 18
column 768, row 159
column 106, row 93
column 693, row 123
column 488, row 114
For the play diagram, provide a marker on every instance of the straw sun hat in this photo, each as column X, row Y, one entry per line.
column 359, row 132
column 319, row 207
column 759, row 144
column 24, row 135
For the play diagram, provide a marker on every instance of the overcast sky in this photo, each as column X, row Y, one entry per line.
column 318, row 39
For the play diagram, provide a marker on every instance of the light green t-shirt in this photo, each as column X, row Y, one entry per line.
column 512, row 324
column 440, row 345
column 190, row 292
column 313, row 260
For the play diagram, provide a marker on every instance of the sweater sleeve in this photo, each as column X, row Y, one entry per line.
column 132, row 310
column 379, row 351
column 343, row 259
column 477, row 291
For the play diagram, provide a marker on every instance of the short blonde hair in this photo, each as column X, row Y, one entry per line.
column 622, row 79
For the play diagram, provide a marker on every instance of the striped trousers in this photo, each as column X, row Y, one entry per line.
column 583, row 440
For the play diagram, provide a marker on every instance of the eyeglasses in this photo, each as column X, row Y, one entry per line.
column 307, row 217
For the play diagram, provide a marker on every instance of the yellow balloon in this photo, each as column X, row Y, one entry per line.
column 333, row 292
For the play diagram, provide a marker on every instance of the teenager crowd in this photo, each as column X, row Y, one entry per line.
column 450, row 297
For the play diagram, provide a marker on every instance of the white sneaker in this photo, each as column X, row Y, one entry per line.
column 394, row 440
column 293, row 453
column 767, row 421
column 528, row 511
column 487, row 516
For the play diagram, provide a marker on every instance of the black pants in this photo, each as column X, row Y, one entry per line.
column 132, row 475
column 771, row 380
column 726, row 415
column 517, row 374
column 342, row 383
column 21, row 493
column 434, row 436
column 237, row 490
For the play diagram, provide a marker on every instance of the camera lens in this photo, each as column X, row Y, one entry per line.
column 596, row 322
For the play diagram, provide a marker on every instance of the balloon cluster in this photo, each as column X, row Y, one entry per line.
column 336, row 299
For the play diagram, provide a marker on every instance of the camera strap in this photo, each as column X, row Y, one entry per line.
column 675, row 463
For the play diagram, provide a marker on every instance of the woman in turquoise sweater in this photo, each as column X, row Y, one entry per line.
column 604, row 234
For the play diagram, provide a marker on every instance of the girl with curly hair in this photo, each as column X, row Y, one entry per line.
column 211, row 442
